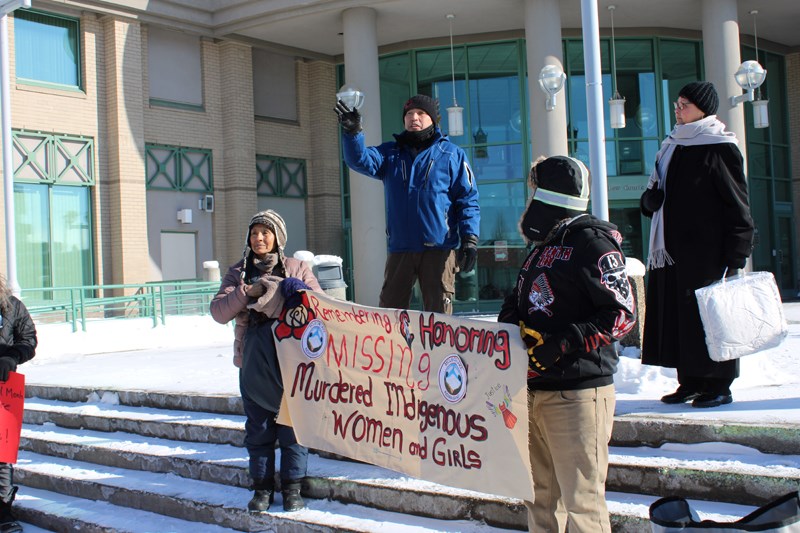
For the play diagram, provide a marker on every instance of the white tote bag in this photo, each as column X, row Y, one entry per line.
column 741, row 315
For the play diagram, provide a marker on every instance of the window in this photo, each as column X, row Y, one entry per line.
column 281, row 186
column 490, row 85
column 53, row 175
column 274, row 86
column 47, row 48
column 769, row 174
column 175, row 69
column 281, row 177
column 174, row 168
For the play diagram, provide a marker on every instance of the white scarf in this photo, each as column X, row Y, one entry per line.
column 708, row 130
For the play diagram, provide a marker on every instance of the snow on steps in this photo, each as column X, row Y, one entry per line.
column 205, row 447
column 746, row 476
column 117, row 499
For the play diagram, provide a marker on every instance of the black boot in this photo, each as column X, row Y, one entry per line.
column 292, row 501
column 8, row 522
column 263, row 497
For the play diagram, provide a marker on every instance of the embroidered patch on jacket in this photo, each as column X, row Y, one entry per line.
column 541, row 295
column 553, row 253
column 614, row 277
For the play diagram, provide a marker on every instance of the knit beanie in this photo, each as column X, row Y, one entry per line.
column 426, row 103
column 276, row 225
column 703, row 95
column 562, row 191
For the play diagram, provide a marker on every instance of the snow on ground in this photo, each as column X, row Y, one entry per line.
column 193, row 355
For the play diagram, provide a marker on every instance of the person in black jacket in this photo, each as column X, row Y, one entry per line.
column 17, row 345
column 697, row 198
column 572, row 301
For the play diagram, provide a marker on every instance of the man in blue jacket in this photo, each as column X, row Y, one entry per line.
column 431, row 204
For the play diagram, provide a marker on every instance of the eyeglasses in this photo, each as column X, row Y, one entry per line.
column 680, row 106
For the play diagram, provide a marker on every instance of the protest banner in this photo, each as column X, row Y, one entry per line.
column 12, row 398
column 436, row 397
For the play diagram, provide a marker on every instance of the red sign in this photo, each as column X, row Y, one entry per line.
column 12, row 399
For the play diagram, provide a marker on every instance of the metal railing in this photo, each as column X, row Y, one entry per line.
column 157, row 300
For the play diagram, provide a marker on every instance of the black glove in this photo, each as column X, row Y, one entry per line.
column 7, row 364
column 545, row 350
column 652, row 200
column 468, row 253
column 350, row 119
column 289, row 286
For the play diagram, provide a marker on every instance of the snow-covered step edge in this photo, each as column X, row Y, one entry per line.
column 629, row 512
column 381, row 488
column 704, row 456
column 219, row 403
column 166, row 424
column 630, row 429
column 212, row 503
column 655, row 430
column 715, row 457
column 59, row 512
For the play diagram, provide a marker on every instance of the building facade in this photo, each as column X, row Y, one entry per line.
column 144, row 138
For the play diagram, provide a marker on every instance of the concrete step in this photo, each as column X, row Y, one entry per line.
column 54, row 511
column 198, row 439
column 222, row 403
column 190, row 426
column 652, row 430
column 629, row 429
column 347, row 482
column 61, row 495
column 708, row 471
column 675, row 469
column 646, row 470
column 136, row 498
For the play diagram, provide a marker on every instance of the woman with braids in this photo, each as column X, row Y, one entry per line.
column 252, row 293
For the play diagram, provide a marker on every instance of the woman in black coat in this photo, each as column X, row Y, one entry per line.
column 697, row 197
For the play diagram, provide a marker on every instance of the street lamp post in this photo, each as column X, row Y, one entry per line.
column 5, row 124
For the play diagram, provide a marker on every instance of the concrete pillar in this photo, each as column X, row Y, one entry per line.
column 543, row 47
column 722, row 58
column 367, row 209
column 125, row 177
column 235, row 189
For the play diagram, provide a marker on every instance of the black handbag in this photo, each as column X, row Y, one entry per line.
column 674, row 515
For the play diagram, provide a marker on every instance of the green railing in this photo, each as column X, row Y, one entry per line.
column 78, row 305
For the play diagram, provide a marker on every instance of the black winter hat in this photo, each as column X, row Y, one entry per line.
column 426, row 103
column 703, row 95
column 562, row 191
column 563, row 182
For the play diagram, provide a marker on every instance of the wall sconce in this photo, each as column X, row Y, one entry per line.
column 616, row 105
column 185, row 216
column 749, row 76
column 352, row 97
column 551, row 80
column 455, row 113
